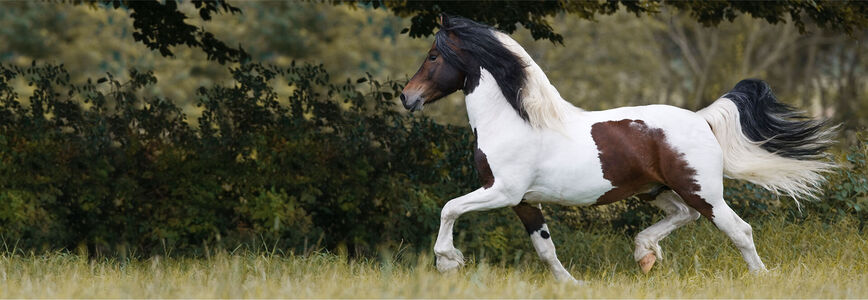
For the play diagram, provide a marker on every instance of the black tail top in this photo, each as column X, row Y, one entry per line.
column 779, row 127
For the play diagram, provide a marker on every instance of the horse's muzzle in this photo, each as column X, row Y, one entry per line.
column 412, row 101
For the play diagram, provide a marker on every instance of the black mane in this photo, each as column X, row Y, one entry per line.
column 482, row 49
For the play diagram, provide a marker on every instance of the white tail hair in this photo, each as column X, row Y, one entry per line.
column 768, row 143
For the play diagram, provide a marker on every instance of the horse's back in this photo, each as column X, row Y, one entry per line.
column 684, row 130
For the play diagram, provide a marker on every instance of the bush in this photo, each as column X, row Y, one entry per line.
column 99, row 165
column 104, row 166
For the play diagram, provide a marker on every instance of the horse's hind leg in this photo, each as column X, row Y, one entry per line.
column 532, row 218
column 647, row 242
column 709, row 202
column 739, row 231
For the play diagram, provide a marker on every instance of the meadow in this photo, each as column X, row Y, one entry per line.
column 806, row 259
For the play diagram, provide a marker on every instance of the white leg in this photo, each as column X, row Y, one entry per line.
column 532, row 218
column 449, row 258
column 740, row 232
column 648, row 241
column 730, row 223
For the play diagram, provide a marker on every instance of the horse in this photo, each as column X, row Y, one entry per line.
column 533, row 147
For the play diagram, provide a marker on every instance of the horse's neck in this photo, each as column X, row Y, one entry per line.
column 487, row 108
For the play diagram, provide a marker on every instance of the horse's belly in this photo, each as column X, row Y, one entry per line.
column 569, row 175
column 576, row 196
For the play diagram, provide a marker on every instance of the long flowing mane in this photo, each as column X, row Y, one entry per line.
column 521, row 80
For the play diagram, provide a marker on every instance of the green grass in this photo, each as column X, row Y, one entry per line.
column 808, row 260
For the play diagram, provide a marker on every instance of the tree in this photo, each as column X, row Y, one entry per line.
column 160, row 25
column 844, row 16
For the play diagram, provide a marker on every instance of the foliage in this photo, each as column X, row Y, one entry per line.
column 841, row 16
column 160, row 25
column 846, row 194
column 846, row 16
column 504, row 15
column 330, row 166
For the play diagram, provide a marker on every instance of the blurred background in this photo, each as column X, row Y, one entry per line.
column 612, row 61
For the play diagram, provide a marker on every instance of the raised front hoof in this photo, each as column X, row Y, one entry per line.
column 760, row 271
column 647, row 262
column 573, row 281
column 563, row 276
column 449, row 261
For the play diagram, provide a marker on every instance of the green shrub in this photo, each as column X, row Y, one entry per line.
column 846, row 193
column 99, row 165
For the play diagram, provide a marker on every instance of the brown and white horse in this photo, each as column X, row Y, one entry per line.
column 534, row 147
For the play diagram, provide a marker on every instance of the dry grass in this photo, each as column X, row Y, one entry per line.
column 810, row 260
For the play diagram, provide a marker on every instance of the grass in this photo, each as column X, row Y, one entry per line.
column 808, row 260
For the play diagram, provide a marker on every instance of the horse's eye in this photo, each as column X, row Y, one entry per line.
column 432, row 57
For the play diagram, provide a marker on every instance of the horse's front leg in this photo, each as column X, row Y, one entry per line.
column 534, row 222
column 449, row 258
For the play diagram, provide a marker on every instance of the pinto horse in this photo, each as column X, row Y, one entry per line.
column 534, row 147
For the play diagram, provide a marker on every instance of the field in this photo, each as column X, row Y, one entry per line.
column 806, row 260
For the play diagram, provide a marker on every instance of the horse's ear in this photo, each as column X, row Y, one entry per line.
column 442, row 20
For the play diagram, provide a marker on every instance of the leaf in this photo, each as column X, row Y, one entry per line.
column 360, row 80
column 405, row 30
column 101, row 80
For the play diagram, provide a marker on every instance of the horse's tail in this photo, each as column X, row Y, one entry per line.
column 769, row 143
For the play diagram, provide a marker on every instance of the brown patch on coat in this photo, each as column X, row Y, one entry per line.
column 532, row 218
column 486, row 177
column 634, row 156
column 652, row 193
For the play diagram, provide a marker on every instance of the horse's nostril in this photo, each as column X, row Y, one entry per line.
column 403, row 98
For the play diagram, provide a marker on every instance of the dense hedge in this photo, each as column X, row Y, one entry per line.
column 103, row 166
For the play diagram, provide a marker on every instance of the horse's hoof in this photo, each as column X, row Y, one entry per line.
column 446, row 265
column 647, row 262
column 564, row 277
column 450, row 262
column 574, row 281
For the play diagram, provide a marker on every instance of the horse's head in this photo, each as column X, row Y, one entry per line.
column 435, row 79
column 461, row 49
column 442, row 72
